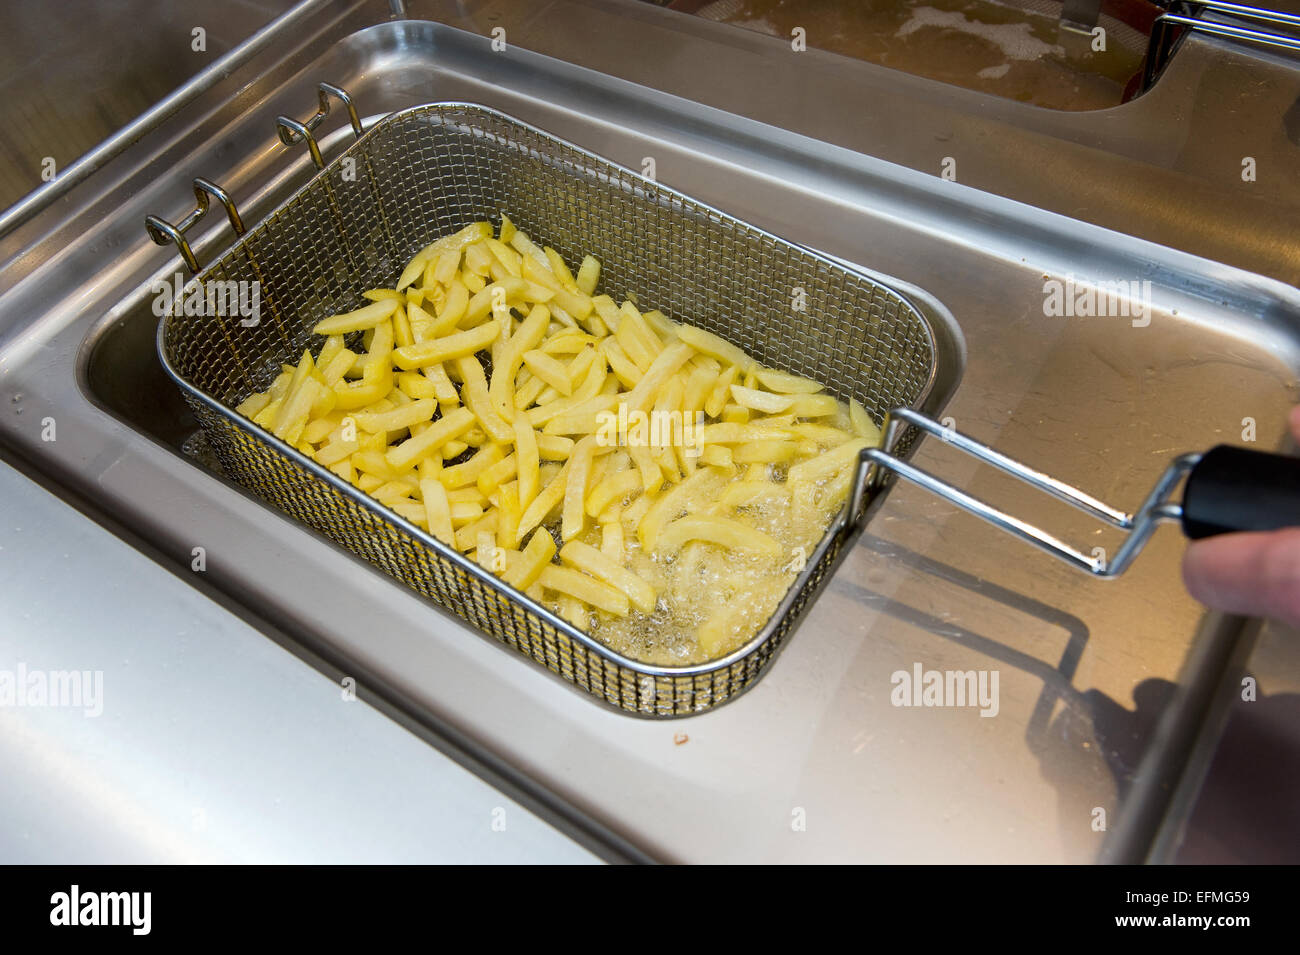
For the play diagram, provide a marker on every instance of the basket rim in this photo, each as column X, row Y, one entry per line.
column 840, row 524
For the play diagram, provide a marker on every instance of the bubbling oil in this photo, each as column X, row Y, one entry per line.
column 711, row 599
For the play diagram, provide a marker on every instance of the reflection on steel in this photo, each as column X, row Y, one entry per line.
column 40, row 198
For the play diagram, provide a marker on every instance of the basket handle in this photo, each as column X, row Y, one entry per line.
column 1159, row 505
column 1241, row 489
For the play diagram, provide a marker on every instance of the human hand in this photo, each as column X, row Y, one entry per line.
column 1256, row 573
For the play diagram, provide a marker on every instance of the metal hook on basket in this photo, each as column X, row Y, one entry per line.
column 162, row 231
column 292, row 131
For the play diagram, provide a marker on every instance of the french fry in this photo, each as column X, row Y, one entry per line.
column 612, row 544
column 586, row 558
column 717, row 399
column 509, row 512
column 723, row 531
column 497, row 474
column 786, row 384
column 862, row 424
column 671, row 503
column 368, row 316
column 587, row 589
column 588, row 274
column 549, row 370
column 763, row 401
column 553, row 447
column 575, row 490
column 613, row 487
column 545, row 501
column 467, row 473
column 527, row 460
column 443, row 430
column 536, row 556
column 438, row 350
column 436, row 507
column 709, row 344
column 474, row 393
column 506, row 363
column 399, row 418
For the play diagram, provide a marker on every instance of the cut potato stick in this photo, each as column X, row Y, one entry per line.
column 528, row 460
column 723, row 531
column 786, row 384
column 763, row 401
column 587, row 589
column 549, row 370
column 506, row 362
column 710, row 344
column 368, row 316
column 399, row 418
column 443, row 430
column 474, row 393
column 824, row 465
column 536, row 556
column 575, row 490
column 611, row 541
column 862, row 424
column 438, row 350
column 671, row 503
column 467, row 472
column 547, row 499
column 589, row 560
column 613, row 487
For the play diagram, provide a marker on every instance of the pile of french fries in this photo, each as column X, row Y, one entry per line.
column 495, row 400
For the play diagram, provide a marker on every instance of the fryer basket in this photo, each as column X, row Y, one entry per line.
column 433, row 169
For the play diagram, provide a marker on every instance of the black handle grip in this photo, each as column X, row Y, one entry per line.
column 1236, row 489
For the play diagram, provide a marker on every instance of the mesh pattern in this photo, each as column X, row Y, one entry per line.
column 431, row 170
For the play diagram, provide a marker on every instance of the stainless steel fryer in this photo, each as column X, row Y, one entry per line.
column 429, row 170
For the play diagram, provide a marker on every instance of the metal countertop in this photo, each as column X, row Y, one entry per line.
column 269, row 762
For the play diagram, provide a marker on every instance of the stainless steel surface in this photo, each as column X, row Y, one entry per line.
column 1085, row 681
column 145, row 770
column 429, row 171
column 1166, row 166
column 82, row 26
column 1238, row 806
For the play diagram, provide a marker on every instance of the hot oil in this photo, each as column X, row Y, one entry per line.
column 712, row 600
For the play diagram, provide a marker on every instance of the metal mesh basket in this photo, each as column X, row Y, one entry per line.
column 427, row 171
